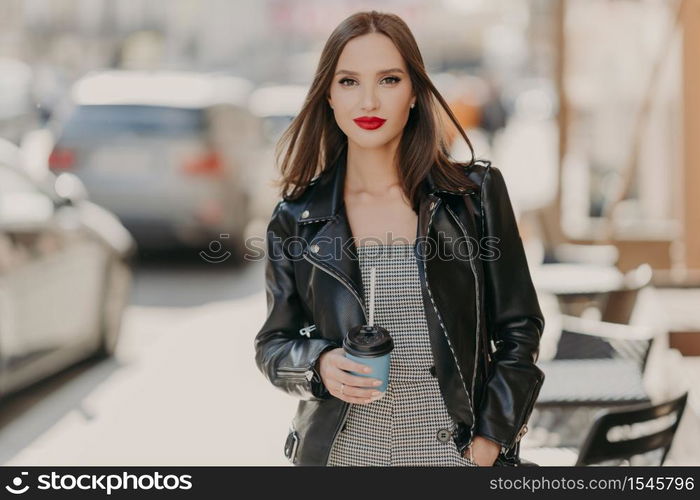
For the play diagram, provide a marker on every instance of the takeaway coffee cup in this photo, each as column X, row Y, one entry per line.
column 371, row 346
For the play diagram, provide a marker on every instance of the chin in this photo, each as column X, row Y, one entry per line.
column 370, row 142
column 373, row 145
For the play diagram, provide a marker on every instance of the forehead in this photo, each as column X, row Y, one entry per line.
column 370, row 53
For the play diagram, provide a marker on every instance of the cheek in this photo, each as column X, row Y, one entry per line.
column 400, row 108
column 344, row 102
column 403, row 99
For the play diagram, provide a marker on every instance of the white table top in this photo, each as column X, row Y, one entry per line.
column 565, row 278
column 591, row 382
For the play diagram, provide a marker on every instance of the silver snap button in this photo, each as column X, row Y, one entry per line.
column 443, row 435
column 314, row 248
column 305, row 214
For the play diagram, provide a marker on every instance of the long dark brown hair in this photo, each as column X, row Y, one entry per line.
column 313, row 141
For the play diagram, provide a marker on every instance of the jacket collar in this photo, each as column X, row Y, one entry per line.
column 325, row 213
column 326, row 198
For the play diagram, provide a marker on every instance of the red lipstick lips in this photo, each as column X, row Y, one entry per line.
column 369, row 122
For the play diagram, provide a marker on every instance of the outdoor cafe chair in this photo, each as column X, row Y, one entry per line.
column 597, row 364
column 620, row 436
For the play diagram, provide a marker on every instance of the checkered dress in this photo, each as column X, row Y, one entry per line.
column 402, row 427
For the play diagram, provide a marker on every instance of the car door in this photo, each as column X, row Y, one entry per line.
column 51, row 277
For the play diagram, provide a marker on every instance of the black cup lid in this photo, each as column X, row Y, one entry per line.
column 368, row 341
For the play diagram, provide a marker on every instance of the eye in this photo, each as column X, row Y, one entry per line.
column 341, row 82
column 394, row 78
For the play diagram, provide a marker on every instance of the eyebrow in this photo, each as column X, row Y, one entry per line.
column 382, row 72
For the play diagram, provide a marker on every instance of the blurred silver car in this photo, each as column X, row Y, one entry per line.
column 167, row 152
column 64, row 274
column 19, row 112
column 276, row 106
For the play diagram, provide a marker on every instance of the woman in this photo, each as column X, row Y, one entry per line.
column 366, row 165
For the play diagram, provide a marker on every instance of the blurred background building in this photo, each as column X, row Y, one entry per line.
column 134, row 128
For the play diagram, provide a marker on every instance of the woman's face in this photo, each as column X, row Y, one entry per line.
column 363, row 88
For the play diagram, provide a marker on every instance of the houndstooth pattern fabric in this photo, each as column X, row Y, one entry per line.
column 401, row 428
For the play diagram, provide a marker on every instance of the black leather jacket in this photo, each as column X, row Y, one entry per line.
column 314, row 296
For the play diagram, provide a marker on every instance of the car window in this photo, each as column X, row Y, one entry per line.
column 98, row 120
column 274, row 126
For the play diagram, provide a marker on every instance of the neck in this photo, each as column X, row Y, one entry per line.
column 372, row 171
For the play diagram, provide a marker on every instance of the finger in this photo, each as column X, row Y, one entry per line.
column 354, row 394
column 359, row 392
column 347, row 364
column 355, row 400
column 340, row 388
column 355, row 380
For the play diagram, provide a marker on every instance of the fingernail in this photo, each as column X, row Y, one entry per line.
column 376, row 393
column 368, row 369
column 368, row 400
column 377, row 382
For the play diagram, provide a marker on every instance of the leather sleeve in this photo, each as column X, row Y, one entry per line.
column 282, row 354
column 514, row 321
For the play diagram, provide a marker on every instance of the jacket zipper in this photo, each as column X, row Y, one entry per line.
column 346, row 405
column 341, row 280
column 478, row 316
column 444, row 330
column 523, row 427
column 346, row 411
column 300, row 373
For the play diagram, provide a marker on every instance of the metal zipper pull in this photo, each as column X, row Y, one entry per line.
column 306, row 331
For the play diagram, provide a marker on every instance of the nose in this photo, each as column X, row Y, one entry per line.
column 369, row 99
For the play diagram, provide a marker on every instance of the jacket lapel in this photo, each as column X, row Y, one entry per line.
column 330, row 241
column 325, row 225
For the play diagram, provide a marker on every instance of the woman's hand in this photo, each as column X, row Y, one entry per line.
column 355, row 389
column 484, row 452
